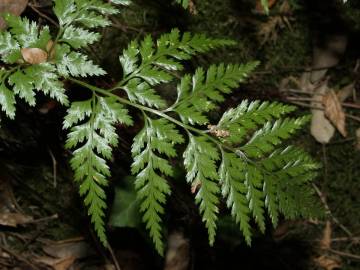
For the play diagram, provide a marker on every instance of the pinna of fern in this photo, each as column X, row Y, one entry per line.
column 248, row 166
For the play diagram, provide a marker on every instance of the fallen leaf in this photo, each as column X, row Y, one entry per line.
column 321, row 128
column 15, row 7
column 334, row 111
column 34, row 55
column 14, row 219
column 56, row 263
column 178, row 252
column 50, row 48
column 325, row 242
column 327, row 262
column 78, row 249
column 357, row 134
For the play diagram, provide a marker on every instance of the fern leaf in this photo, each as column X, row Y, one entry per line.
column 7, row 101
column 78, row 37
column 254, row 184
column 47, row 81
column 142, row 92
column 232, row 179
column 90, row 14
column 200, row 159
column 248, row 116
column 157, row 137
column 77, row 64
column 9, row 48
column 27, row 33
column 23, row 86
column 93, row 133
column 264, row 140
column 200, row 93
column 121, row 2
column 287, row 167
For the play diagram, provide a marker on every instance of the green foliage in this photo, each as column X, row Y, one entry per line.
column 156, row 139
column 200, row 159
column 183, row 3
column 199, row 93
column 241, row 159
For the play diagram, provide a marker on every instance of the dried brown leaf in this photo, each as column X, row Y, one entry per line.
column 63, row 250
column 34, row 55
column 14, row 219
column 327, row 262
column 357, row 134
column 334, row 111
column 15, row 7
column 325, row 242
column 57, row 264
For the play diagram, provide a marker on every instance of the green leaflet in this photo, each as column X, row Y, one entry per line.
column 93, row 133
column 232, row 176
column 78, row 37
column 272, row 134
column 248, row 116
column 200, row 159
column 23, row 86
column 7, row 101
column 184, row 3
column 125, row 211
column 77, row 65
column 157, row 138
column 90, row 14
column 27, row 33
column 151, row 62
column 121, row 2
column 47, row 81
column 199, row 94
column 9, row 48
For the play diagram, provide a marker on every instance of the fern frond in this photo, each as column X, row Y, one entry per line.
column 46, row 80
column 200, row 159
column 286, row 185
column 199, row 94
column 23, row 86
column 93, row 133
column 232, row 179
column 70, row 63
column 27, row 33
column 90, row 14
column 272, row 134
column 78, row 37
column 7, row 101
column 152, row 62
column 248, row 116
column 9, row 48
column 157, row 138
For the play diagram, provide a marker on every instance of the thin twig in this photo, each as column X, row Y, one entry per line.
column 345, row 104
column 345, row 254
column 41, row 14
column 44, row 219
column 19, row 257
column 54, row 165
column 302, row 104
column 346, row 239
column 328, row 211
column 115, row 261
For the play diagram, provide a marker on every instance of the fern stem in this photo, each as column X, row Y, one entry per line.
column 217, row 142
